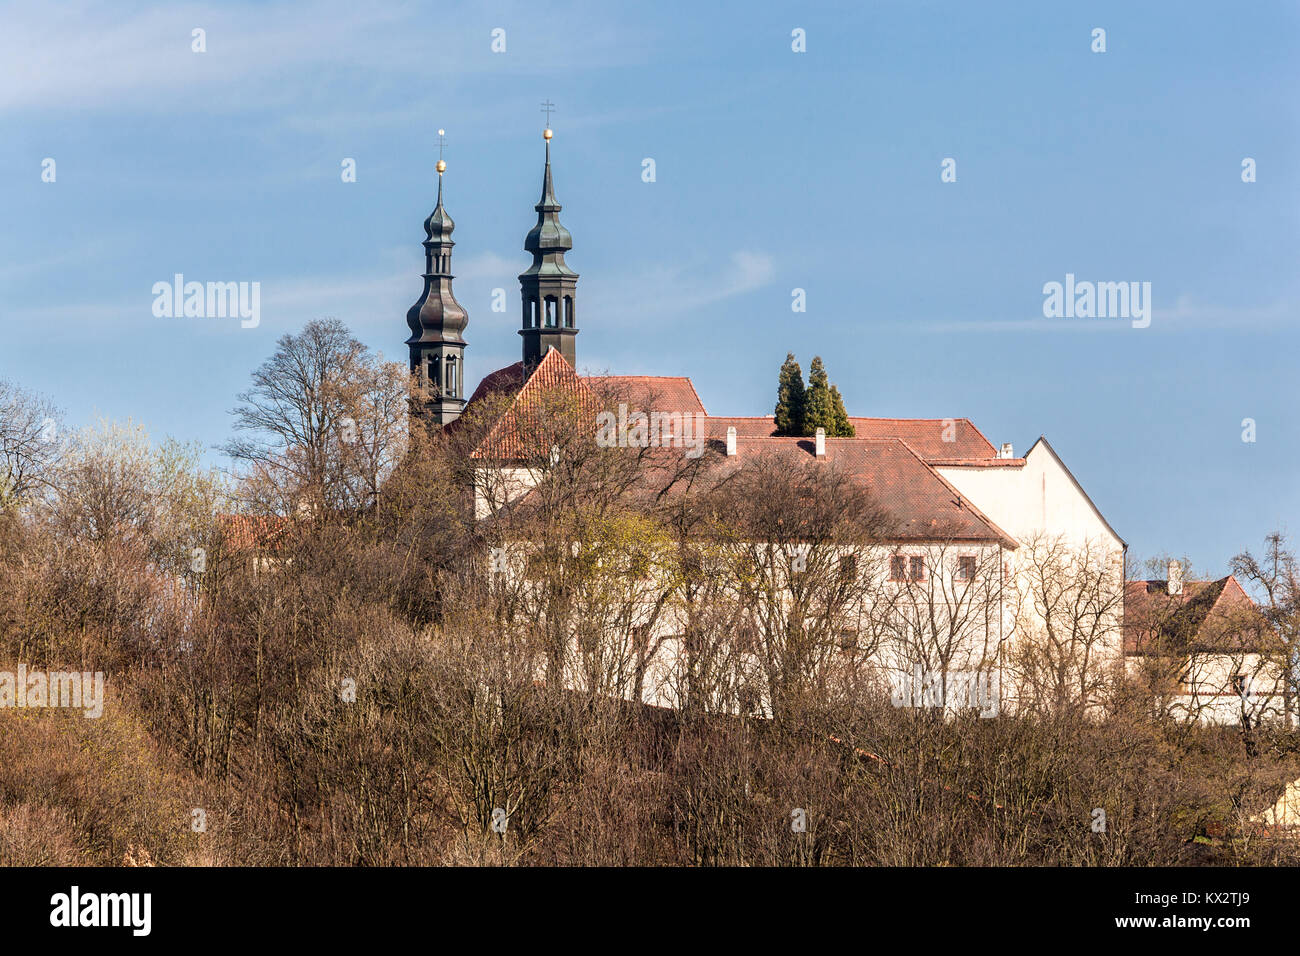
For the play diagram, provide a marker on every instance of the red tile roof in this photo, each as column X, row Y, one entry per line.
column 920, row 504
column 661, row 393
column 888, row 455
column 510, row 439
column 508, row 379
column 1207, row 615
column 923, row 505
column 676, row 393
column 246, row 532
column 924, row 435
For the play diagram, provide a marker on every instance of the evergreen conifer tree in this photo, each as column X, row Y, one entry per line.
column 819, row 409
column 843, row 428
column 790, row 398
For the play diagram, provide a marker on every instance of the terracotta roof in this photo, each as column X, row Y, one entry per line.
column 509, row 439
column 508, row 379
column 1207, row 615
column 676, row 393
column 661, row 393
column 746, row 427
column 920, row 503
column 246, row 532
column 888, row 455
column 924, row 435
column 924, row 505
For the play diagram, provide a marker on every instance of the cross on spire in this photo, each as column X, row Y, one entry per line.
column 548, row 108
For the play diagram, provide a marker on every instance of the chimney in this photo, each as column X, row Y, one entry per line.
column 821, row 443
column 1175, row 578
column 1006, row 451
column 731, row 441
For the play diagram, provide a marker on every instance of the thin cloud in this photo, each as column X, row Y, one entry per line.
column 632, row 298
column 1186, row 314
column 100, row 56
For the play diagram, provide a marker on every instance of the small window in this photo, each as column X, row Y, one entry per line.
column 531, row 321
column 641, row 638
column 550, row 313
column 848, row 640
column 848, row 568
column 898, row 568
column 746, row 639
column 965, row 568
column 568, row 311
column 917, row 568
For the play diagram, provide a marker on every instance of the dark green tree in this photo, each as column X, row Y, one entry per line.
column 818, row 407
column 843, row 427
column 790, row 398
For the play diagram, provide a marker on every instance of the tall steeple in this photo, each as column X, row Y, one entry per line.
column 549, row 286
column 437, row 321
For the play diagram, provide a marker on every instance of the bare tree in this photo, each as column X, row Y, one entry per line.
column 29, row 445
column 1069, row 623
column 945, row 613
column 805, row 567
column 1276, row 574
column 324, row 423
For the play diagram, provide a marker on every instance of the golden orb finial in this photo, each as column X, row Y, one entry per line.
column 547, row 134
column 442, row 167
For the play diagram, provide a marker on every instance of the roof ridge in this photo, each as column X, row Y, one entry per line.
column 545, row 375
column 962, row 499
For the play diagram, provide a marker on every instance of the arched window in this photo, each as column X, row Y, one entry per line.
column 530, row 320
column 431, row 372
column 568, row 311
column 452, row 375
column 550, row 312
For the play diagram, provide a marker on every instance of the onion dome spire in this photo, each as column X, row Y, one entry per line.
column 436, row 319
column 548, row 287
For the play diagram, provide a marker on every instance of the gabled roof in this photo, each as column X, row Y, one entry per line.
column 663, row 393
column 251, row 532
column 923, row 505
column 510, row 437
column 1042, row 440
column 1205, row 616
column 508, row 379
column 920, row 504
column 924, row 435
column 888, row 456
column 676, row 393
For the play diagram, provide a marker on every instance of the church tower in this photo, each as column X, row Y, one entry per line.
column 549, row 286
column 437, row 321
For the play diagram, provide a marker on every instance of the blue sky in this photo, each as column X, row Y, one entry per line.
column 775, row 170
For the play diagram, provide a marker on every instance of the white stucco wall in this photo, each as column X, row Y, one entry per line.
column 1035, row 498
